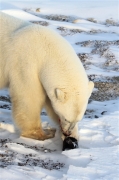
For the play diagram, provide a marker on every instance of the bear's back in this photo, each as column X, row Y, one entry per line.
column 10, row 24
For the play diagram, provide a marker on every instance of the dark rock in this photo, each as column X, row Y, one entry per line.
column 70, row 143
column 96, row 116
column 103, row 112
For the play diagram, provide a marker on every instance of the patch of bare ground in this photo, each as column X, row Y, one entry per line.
column 53, row 17
column 6, row 106
column 5, row 98
column 8, row 157
column 92, row 20
column 6, row 102
column 58, row 17
column 85, row 59
column 102, row 48
column 42, row 23
column 107, row 88
column 98, row 43
column 66, row 31
column 111, row 22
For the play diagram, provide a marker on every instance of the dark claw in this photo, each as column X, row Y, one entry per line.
column 70, row 143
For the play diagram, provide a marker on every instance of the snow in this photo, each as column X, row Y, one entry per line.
column 94, row 8
column 97, row 157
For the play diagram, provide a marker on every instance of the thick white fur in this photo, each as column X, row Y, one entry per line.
column 41, row 69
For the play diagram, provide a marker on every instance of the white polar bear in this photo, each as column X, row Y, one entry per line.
column 41, row 70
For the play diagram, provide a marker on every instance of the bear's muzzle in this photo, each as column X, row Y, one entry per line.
column 67, row 129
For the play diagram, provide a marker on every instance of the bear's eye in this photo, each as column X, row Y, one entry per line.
column 67, row 121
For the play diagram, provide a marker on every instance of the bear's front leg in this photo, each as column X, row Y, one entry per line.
column 26, row 113
column 32, row 128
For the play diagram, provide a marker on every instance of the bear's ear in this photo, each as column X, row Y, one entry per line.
column 90, row 86
column 60, row 95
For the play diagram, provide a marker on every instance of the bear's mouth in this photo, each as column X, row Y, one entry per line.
column 64, row 133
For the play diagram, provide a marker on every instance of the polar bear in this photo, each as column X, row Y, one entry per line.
column 41, row 70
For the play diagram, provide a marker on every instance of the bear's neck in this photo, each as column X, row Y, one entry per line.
column 63, row 73
column 61, row 66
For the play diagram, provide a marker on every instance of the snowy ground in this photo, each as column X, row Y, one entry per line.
column 92, row 28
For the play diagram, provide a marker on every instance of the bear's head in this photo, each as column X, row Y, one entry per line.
column 70, row 106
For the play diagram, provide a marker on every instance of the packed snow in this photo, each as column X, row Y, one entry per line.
column 92, row 28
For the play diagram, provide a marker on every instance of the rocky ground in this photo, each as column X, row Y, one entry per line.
column 9, row 157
